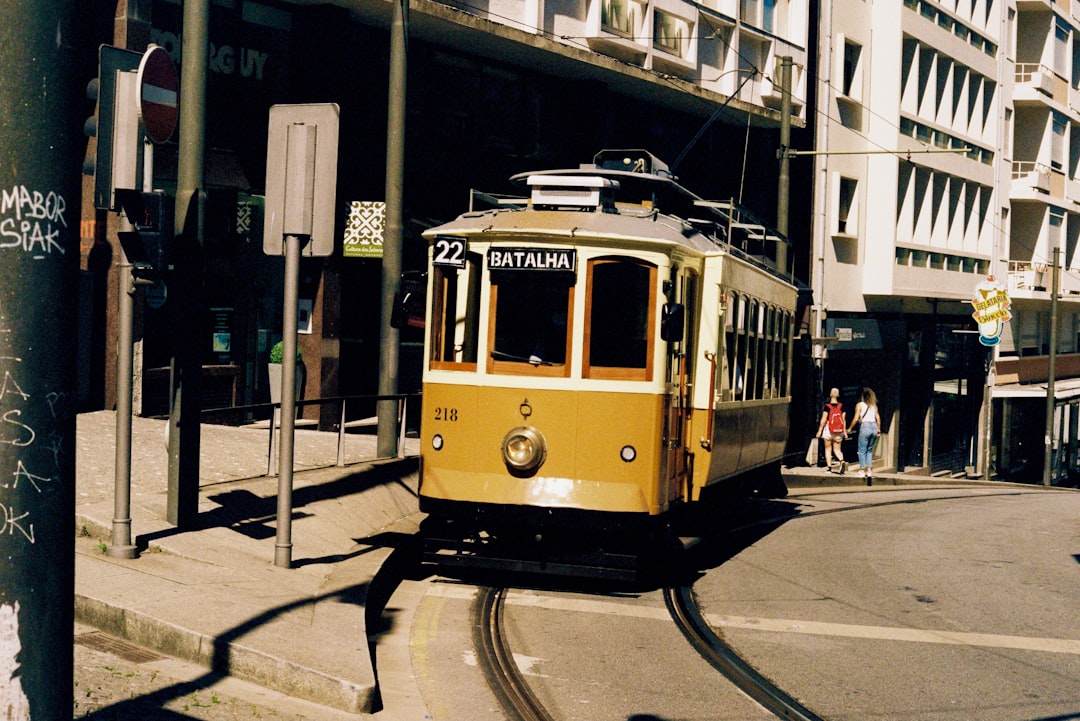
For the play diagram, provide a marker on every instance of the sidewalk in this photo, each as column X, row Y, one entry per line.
column 212, row 594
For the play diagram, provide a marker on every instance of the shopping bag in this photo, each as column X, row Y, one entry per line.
column 812, row 452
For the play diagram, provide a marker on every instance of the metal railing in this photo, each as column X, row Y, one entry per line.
column 255, row 414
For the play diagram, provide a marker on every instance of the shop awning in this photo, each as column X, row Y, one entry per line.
column 1063, row 390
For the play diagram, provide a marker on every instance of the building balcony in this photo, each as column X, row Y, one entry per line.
column 1029, row 179
column 1032, row 81
column 1026, row 278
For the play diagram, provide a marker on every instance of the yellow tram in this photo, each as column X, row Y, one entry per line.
column 599, row 354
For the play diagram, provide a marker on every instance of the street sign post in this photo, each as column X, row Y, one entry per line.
column 301, row 186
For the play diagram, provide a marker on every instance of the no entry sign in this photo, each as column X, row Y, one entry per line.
column 159, row 94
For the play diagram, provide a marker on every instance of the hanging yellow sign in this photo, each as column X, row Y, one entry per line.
column 991, row 303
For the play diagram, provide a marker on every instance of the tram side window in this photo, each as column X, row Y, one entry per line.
column 762, row 326
column 785, row 354
column 723, row 359
column 752, row 370
column 619, row 327
column 530, row 328
column 737, row 350
column 455, row 315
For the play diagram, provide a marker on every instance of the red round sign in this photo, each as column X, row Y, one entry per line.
column 159, row 96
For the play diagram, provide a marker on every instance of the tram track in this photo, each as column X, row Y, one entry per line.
column 521, row 704
column 497, row 661
column 685, row 612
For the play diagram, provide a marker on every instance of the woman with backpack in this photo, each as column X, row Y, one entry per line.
column 866, row 416
column 831, row 429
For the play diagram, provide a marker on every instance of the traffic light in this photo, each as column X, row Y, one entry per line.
column 115, row 124
column 146, row 247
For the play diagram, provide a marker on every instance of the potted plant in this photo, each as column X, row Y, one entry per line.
column 273, row 370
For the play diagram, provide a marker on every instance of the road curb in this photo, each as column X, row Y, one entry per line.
column 226, row 658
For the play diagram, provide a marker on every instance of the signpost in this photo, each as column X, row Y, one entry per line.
column 301, row 187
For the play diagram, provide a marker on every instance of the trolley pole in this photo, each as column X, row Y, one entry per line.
column 40, row 157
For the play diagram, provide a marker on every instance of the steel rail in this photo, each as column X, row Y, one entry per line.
column 497, row 661
column 684, row 610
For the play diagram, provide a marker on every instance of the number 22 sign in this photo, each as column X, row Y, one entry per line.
column 449, row 251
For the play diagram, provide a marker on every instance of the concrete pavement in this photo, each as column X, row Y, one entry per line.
column 212, row 594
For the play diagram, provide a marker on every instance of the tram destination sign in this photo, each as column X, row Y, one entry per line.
column 560, row 259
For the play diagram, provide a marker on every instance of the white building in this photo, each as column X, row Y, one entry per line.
column 910, row 213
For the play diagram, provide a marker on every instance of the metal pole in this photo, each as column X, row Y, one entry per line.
column 988, row 414
column 120, row 545
column 283, row 542
column 40, row 155
column 1051, row 370
column 392, row 239
column 185, row 401
column 784, row 181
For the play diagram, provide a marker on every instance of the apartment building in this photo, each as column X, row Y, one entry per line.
column 950, row 157
column 1042, row 137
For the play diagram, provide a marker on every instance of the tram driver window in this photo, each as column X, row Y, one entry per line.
column 455, row 315
column 530, row 331
column 619, row 328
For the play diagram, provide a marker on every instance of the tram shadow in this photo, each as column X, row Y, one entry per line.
column 692, row 541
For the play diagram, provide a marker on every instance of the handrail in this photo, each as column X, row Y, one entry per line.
column 275, row 410
column 710, row 418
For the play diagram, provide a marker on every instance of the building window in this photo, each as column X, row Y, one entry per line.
column 852, row 70
column 847, row 216
column 622, row 17
column 1061, row 47
column 670, row 32
column 1057, row 144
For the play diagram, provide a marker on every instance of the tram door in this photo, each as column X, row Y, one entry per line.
column 680, row 371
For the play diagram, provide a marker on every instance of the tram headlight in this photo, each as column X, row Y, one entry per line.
column 524, row 449
column 437, row 442
column 628, row 453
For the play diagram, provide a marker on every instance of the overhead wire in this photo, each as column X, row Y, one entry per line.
column 753, row 70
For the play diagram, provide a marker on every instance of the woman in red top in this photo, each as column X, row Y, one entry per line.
column 831, row 429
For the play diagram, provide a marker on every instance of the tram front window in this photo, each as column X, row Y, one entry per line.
column 531, row 329
column 619, row 320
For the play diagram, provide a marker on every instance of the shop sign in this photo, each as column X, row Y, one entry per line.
column 991, row 303
column 364, row 230
column 854, row 333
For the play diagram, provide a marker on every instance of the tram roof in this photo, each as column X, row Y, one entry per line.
column 623, row 196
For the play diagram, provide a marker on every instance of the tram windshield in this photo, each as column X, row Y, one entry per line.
column 531, row 313
column 619, row 333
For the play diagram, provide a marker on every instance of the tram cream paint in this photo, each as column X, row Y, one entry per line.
column 780, row 625
column 13, row 701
